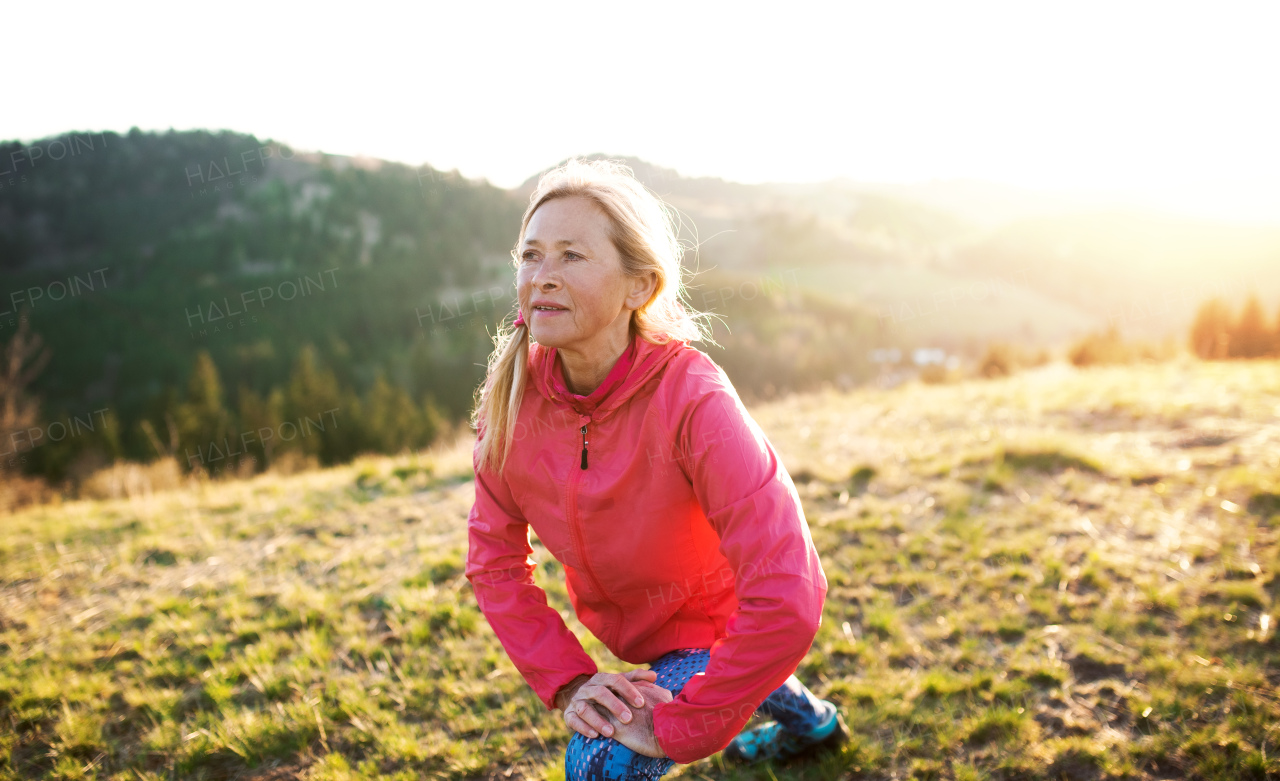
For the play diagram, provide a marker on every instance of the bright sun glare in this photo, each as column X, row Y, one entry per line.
column 1164, row 104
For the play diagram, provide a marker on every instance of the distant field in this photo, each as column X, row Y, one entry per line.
column 1061, row 574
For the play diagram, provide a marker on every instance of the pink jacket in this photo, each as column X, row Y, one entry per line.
column 677, row 526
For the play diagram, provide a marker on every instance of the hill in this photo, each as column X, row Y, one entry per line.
column 957, row 264
column 308, row 283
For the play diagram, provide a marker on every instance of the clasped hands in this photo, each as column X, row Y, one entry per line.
column 616, row 705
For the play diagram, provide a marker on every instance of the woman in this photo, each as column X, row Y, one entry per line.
column 629, row 453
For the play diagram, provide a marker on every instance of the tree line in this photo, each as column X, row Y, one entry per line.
column 312, row 418
column 1217, row 334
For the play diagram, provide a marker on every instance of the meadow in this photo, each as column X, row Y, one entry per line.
column 1063, row 574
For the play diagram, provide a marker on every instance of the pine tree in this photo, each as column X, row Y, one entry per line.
column 206, row 440
column 1275, row 339
column 1250, row 338
column 261, row 418
column 392, row 422
column 1211, row 330
column 110, row 436
column 23, row 358
column 435, row 422
column 320, row 418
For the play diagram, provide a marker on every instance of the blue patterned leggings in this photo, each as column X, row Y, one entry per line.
column 793, row 706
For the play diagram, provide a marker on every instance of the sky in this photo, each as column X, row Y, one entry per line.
column 1165, row 104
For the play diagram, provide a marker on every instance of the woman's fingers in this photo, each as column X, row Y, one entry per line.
column 620, row 684
column 641, row 675
column 603, row 695
column 583, row 711
column 655, row 693
column 578, row 725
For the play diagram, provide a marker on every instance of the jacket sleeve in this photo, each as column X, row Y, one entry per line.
column 750, row 500
column 500, row 569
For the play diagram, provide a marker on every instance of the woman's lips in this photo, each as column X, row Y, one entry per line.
column 546, row 312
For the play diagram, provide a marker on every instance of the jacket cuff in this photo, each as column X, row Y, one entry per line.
column 557, row 682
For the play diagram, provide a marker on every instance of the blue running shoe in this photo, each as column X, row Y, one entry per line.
column 771, row 741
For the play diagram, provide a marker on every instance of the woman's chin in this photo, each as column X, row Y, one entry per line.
column 548, row 337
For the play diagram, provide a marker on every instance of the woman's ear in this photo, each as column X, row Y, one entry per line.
column 642, row 289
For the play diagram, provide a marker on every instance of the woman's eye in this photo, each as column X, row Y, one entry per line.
column 527, row 256
column 573, row 256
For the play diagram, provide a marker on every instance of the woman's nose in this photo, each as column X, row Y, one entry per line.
column 546, row 274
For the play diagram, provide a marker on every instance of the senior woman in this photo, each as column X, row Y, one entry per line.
column 631, row 456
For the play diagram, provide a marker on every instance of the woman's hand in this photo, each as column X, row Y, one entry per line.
column 637, row 734
column 601, row 696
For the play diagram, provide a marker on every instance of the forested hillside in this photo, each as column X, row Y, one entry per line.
column 194, row 289
column 139, row 252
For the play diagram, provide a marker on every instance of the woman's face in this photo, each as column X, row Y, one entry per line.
column 568, row 261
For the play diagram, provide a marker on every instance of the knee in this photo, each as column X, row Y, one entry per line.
column 575, row 759
column 592, row 759
column 605, row 759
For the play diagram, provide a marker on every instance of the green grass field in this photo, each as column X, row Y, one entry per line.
column 1061, row 574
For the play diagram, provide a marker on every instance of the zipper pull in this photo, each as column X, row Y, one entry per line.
column 584, row 447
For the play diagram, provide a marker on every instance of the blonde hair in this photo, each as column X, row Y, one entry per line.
column 644, row 232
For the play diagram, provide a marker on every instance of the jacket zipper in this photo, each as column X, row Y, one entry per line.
column 576, row 530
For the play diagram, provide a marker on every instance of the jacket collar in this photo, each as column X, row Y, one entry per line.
column 640, row 362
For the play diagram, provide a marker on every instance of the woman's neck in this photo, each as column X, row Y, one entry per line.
column 585, row 371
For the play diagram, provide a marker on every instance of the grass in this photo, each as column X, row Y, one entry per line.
column 1063, row 574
